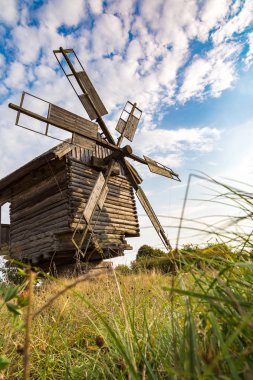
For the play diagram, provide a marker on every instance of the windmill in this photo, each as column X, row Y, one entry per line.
column 85, row 131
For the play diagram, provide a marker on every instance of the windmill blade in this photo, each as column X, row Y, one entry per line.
column 83, row 88
column 146, row 205
column 96, row 199
column 84, row 131
column 137, row 178
column 153, row 218
column 128, row 121
column 89, row 96
column 156, row 167
column 80, row 132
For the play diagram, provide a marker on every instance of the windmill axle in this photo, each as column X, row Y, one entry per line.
column 126, row 151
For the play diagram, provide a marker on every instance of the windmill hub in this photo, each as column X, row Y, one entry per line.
column 121, row 153
column 127, row 150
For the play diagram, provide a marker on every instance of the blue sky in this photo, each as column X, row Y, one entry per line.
column 187, row 64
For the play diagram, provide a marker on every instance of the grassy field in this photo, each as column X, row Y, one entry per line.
column 196, row 324
column 191, row 318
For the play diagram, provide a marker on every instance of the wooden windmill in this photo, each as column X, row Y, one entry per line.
column 85, row 133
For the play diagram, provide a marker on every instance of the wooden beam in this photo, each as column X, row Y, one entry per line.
column 74, row 129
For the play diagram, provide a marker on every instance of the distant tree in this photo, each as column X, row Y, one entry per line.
column 161, row 264
column 147, row 251
column 123, row 269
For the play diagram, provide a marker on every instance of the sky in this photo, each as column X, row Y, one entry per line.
column 187, row 64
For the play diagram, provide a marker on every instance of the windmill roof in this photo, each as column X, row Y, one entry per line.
column 57, row 151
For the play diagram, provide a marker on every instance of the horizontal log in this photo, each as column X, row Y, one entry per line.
column 86, row 191
column 64, row 246
column 19, row 206
column 38, row 229
column 103, row 225
column 57, row 228
column 42, row 206
column 90, row 180
column 60, row 209
column 109, row 206
column 31, row 252
column 90, row 173
column 103, row 216
column 39, row 216
column 77, row 211
column 81, row 168
column 84, row 173
column 31, row 236
column 43, row 173
column 25, row 244
column 89, row 184
column 49, row 219
column 32, row 192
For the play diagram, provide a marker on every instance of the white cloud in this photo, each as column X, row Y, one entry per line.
column 170, row 160
column 9, row 12
column 212, row 74
column 62, row 12
column 237, row 24
column 212, row 15
column 96, row 6
column 170, row 141
column 237, row 163
column 249, row 56
column 135, row 51
column 123, row 8
column 16, row 78
column 235, row 8
column 2, row 65
column 106, row 26
column 2, row 60
column 28, row 43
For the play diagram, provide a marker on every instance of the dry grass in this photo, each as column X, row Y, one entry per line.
column 64, row 334
column 200, row 329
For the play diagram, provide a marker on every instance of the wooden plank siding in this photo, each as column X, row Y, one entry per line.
column 39, row 208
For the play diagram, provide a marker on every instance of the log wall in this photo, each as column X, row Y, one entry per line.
column 39, row 208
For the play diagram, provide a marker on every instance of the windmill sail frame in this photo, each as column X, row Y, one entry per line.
column 89, row 96
column 129, row 120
